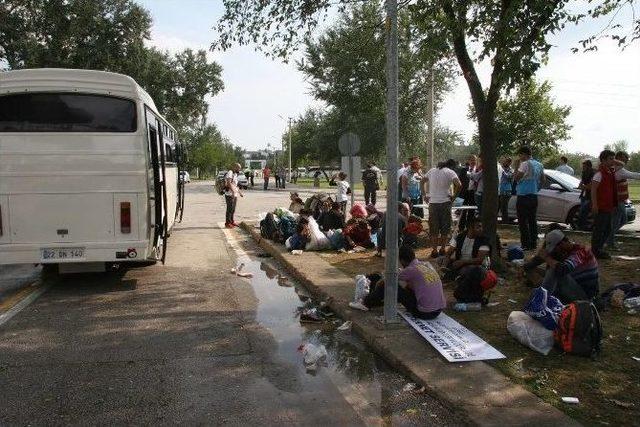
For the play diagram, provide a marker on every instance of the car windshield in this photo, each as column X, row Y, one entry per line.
column 565, row 180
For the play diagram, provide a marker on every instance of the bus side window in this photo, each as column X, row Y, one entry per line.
column 169, row 154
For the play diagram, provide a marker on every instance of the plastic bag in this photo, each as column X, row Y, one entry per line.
column 529, row 332
column 362, row 288
column 318, row 241
column 544, row 308
column 313, row 355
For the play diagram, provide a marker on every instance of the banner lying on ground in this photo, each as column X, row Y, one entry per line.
column 455, row 342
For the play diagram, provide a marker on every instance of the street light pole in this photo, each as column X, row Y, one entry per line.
column 391, row 260
column 290, row 172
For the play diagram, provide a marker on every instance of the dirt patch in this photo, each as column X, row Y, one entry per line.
column 608, row 388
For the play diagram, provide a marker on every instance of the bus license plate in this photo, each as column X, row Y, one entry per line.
column 57, row 254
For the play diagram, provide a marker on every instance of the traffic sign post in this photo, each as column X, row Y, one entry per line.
column 349, row 145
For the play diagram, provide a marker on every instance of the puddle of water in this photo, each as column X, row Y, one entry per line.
column 365, row 381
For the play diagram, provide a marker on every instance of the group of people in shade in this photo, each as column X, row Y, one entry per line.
column 571, row 271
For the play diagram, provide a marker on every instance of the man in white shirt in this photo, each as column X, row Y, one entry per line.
column 342, row 190
column 438, row 194
column 564, row 167
column 231, row 194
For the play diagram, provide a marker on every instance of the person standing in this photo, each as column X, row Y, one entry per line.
column 411, row 182
column 378, row 172
column 506, row 189
column 252, row 175
column 564, row 167
column 282, row 172
column 438, row 194
column 467, row 193
column 266, row 174
column 529, row 178
column 622, row 186
column 604, row 199
column 231, row 194
column 585, row 193
column 342, row 190
column 370, row 184
column 276, row 175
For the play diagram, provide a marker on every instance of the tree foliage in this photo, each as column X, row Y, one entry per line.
column 345, row 69
column 107, row 35
column 528, row 116
column 209, row 151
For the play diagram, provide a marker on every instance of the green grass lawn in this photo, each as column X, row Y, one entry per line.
column 634, row 191
column 604, row 386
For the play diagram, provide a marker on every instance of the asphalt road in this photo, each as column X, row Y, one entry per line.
column 190, row 343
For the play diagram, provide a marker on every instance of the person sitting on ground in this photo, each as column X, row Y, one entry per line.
column 296, row 203
column 299, row 239
column 419, row 287
column 358, row 210
column 572, row 269
column 374, row 218
column 411, row 231
column 318, row 241
column 467, row 248
column 332, row 219
column 357, row 233
column 403, row 217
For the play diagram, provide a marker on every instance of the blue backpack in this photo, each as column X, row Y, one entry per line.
column 544, row 308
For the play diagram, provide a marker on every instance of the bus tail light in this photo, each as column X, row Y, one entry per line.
column 125, row 217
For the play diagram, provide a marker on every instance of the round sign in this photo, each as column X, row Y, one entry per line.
column 349, row 144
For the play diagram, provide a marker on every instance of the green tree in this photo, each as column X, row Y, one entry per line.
column 209, row 151
column 107, row 35
column 620, row 145
column 345, row 68
column 528, row 116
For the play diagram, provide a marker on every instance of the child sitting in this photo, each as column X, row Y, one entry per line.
column 296, row 203
column 332, row 219
column 357, row 233
column 299, row 239
column 411, row 231
column 419, row 287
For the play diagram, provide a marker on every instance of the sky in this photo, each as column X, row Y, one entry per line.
column 603, row 87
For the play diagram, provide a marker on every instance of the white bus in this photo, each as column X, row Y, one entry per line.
column 88, row 171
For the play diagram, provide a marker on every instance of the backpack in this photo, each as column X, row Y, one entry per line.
column 269, row 227
column 369, row 177
column 287, row 227
column 543, row 307
column 220, row 187
column 579, row 329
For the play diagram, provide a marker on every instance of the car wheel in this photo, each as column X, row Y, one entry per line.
column 573, row 217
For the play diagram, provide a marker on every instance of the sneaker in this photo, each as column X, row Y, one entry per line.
column 358, row 306
column 235, row 224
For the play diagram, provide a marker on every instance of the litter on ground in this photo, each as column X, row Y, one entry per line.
column 346, row 326
column 571, row 400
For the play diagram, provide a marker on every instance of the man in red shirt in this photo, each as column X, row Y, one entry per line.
column 266, row 173
column 604, row 200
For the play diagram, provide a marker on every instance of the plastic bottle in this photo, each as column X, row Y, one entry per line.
column 486, row 263
column 632, row 302
column 468, row 306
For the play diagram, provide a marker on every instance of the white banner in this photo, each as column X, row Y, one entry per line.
column 455, row 342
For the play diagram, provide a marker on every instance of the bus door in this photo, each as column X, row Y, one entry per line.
column 158, row 197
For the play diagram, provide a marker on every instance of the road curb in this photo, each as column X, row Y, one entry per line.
column 475, row 391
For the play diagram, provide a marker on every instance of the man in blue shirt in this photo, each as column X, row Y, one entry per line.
column 530, row 178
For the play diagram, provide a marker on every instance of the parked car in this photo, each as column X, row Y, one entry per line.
column 243, row 182
column 184, row 176
column 559, row 201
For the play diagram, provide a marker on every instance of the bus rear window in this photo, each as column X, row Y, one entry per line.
column 66, row 112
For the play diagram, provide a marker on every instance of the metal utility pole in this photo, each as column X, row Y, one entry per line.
column 290, row 172
column 391, row 260
column 430, row 122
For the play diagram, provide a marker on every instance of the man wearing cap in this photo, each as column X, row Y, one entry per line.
column 572, row 269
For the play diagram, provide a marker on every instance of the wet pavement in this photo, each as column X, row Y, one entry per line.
column 378, row 394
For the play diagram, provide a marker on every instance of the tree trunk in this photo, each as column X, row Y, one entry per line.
column 487, row 137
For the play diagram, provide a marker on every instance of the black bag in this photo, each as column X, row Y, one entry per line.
column 269, row 227
column 579, row 329
column 468, row 288
column 369, row 178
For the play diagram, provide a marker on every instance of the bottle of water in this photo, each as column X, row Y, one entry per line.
column 486, row 263
column 468, row 306
column 633, row 303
